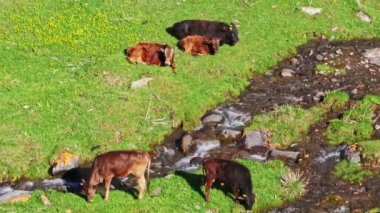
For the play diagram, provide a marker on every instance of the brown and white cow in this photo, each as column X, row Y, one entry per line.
column 227, row 172
column 199, row 45
column 151, row 53
column 118, row 164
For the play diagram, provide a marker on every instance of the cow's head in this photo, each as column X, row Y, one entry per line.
column 88, row 189
column 168, row 53
column 213, row 44
column 231, row 34
column 249, row 201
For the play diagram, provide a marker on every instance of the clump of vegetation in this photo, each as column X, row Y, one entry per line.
column 294, row 184
column 284, row 124
column 355, row 125
column 352, row 172
column 325, row 69
column 371, row 151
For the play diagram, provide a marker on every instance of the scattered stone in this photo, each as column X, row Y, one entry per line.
column 334, row 29
column 26, row 186
column 363, row 17
column 68, row 211
column 354, row 91
column 352, row 153
column 319, row 57
column 64, row 162
column 373, row 55
column 141, row 83
column 213, row 118
column 186, row 143
column 319, row 96
column 230, row 133
column 311, row 10
column 256, row 138
column 15, row 196
column 287, row 72
column 45, row 200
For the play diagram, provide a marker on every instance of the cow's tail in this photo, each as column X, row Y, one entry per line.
column 147, row 173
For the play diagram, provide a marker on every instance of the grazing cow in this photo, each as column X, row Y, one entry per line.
column 151, row 53
column 227, row 34
column 199, row 45
column 118, row 164
column 228, row 172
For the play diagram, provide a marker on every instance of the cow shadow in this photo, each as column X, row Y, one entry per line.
column 196, row 181
column 74, row 177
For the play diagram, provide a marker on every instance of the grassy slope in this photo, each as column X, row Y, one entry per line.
column 55, row 61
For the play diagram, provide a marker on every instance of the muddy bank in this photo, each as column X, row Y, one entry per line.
column 292, row 81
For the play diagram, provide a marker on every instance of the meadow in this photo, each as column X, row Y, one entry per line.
column 65, row 84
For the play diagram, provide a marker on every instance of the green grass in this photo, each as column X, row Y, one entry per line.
column 56, row 55
column 371, row 151
column 284, row 124
column 356, row 123
column 181, row 193
column 349, row 171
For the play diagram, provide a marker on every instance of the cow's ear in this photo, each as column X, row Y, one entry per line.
column 224, row 29
column 162, row 49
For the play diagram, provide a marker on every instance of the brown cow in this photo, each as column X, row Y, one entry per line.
column 199, row 45
column 118, row 164
column 227, row 172
column 151, row 53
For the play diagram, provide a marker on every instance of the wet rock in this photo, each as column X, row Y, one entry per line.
column 230, row 133
column 213, row 118
column 254, row 157
column 15, row 196
column 363, row 17
column 45, row 200
column 233, row 118
column 284, row 154
column 60, row 184
column 311, row 10
column 373, row 55
column 5, row 189
column 201, row 150
column 256, row 138
column 141, row 83
column 287, row 72
column 64, row 162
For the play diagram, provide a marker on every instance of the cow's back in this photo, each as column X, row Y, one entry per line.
column 118, row 163
column 197, row 27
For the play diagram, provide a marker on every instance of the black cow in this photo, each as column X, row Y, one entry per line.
column 230, row 173
column 227, row 34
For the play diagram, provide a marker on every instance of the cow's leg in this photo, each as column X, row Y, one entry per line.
column 107, row 185
column 141, row 183
column 209, row 181
column 236, row 192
